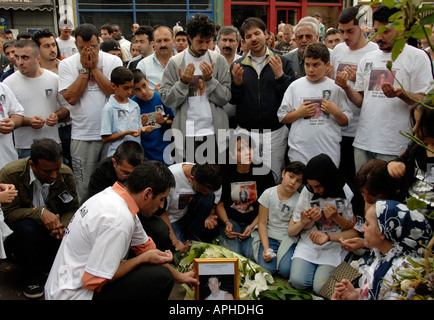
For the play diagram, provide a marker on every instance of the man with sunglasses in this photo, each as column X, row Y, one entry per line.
column 306, row 32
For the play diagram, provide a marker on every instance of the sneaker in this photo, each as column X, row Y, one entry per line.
column 33, row 291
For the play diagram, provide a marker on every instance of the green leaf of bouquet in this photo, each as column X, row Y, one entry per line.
column 397, row 48
column 429, row 19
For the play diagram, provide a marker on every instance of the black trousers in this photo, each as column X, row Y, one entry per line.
column 146, row 282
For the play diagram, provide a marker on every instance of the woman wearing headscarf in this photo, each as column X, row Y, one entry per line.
column 393, row 232
column 325, row 213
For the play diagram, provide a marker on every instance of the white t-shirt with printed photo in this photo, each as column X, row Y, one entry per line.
column 86, row 113
column 320, row 133
column 39, row 97
column 9, row 106
column 99, row 238
column 279, row 211
column 180, row 196
column 382, row 118
column 341, row 57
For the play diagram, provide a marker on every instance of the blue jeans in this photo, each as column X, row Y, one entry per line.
column 305, row 274
column 361, row 156
column 285, row 262
column 23, row 153
column 192, row 225
column 242, row 247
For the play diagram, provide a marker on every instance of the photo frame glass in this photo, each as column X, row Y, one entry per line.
column 218, row 279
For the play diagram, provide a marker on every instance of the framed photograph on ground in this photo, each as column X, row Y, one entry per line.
column 218, row 278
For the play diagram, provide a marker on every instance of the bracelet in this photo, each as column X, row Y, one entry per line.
column 329, row 238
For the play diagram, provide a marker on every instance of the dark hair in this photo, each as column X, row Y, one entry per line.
column 383, row 13
column 240, row 136
column 225, row 30
column 24, row 36
column 200, row 24
column 120, row 75
column 317, row 50
column 107, row 27
column 181, row 33
column 9, row 43
column 373, row 176
column 426, row 123
column 252, row 22
column 207, row 175
column 46, row 149
column 349, row 14
column 44, row 33
column 138, row 75
column 331, row 31
column 148, row 30
column 131, row 152
column 150, row 174
column 28, row 43
column 295, row 167
column 86, row 31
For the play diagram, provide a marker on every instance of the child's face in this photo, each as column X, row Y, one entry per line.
column 124, row 90
column 291, row 181
column 315, row 68
column 141, row 89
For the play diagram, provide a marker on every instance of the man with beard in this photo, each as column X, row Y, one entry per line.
column 196, row 84
column 48, row 49
column 259, row 81
column 381, row 118
column 154, row 65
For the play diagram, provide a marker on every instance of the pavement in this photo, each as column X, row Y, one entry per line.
column 11, row 286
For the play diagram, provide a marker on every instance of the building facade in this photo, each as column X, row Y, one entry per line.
column 26, row 15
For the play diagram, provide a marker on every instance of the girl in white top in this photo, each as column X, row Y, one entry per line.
column 324, row 214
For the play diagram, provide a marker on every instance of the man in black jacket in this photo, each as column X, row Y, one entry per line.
column 259, row 81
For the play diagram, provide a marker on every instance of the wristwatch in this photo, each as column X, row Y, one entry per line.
column 83, row 70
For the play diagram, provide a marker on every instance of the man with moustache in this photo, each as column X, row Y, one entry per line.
column 386, row 112
column 84, row 83
column 306, row 32
column 228, row 40
column 259, row 81
column 197, row 117
column 154, row 65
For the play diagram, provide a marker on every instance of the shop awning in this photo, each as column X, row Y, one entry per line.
column 40, row 5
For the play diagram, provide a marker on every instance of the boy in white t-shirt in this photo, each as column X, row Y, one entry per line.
column 120, row 117
column 190, row 211
column 317, row 109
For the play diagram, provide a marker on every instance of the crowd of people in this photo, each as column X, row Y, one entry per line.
column 118, row 153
